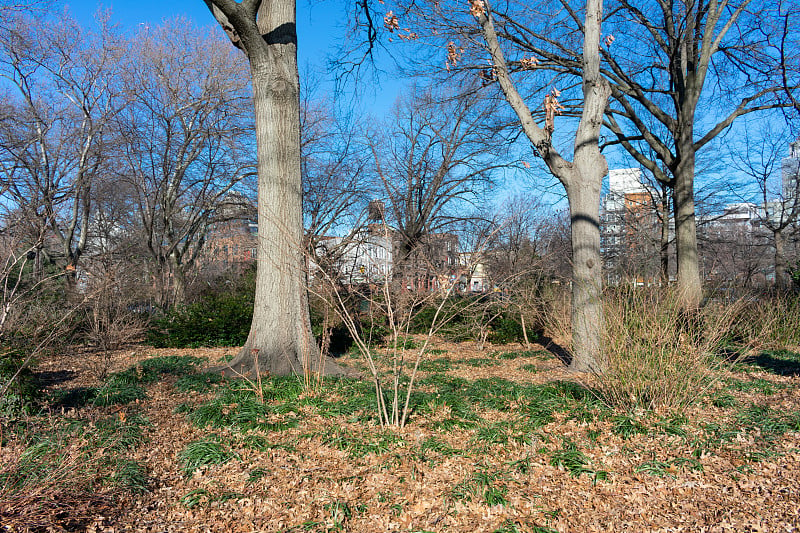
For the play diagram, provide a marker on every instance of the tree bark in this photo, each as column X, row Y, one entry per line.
column 280, row 340
column 690, row 287
column 582, row 178
column 782, row 279
column 587, row 290
column 664, row 248
column 178, row 280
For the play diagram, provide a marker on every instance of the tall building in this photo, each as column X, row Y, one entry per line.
column 629, row 227
column 790, row 171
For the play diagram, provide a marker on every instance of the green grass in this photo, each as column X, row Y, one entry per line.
column 358, row 444
column 101, row 449
column 487, row 486
column 627, row 426
column 574, row 461
column 442, row 364
column 669, row 468
column 128, row 386
column 118, row 393
column 203, row 453
column 200, row 382
column 433, row 445
column 511, row 526
column 759, row 385
column 236, row 406
column 131, row 476
column 723, row 400
column 673, row 425
column 768, row 423
column 481, row 362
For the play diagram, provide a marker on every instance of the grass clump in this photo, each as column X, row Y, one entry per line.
column 485, row 485
column 658, row 355
column 768, row 423
column 627, row 426
column 442, row 364
column 359, row 444
column 575, row 462
column 238, row 407
column 131, row 476
column 199, row 382
column 203, row 453
column 118, row 393
column 670, row 468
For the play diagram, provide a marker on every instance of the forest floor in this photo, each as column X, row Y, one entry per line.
column 500, row 440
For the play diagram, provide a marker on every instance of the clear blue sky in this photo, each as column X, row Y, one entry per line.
column 320, row 25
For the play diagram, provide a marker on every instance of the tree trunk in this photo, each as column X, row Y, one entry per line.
column 782, row 280
column 582, row 178
column 664, row 248
column 587, row 290
column 280, row 340
column 178, row 281
column 690, row 287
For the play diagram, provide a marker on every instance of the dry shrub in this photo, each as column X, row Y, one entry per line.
column 552, row 308
column 658, row 356
column 768, row 322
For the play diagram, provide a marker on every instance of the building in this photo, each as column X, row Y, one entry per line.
column 790, row 172
column 629, row 228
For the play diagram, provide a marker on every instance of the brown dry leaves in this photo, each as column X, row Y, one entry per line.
column 308, row 485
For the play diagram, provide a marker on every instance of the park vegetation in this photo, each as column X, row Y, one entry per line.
column 228, row 302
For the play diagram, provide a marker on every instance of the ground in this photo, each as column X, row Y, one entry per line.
column 503, row 439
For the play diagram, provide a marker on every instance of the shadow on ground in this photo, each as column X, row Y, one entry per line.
column 780, row 362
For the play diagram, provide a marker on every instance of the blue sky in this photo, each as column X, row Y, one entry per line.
column 320, row 25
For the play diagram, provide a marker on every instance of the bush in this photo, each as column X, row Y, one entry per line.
column 657, row 356
column 217, row 320
column 461, row 317
column 23, row 391
column 506, row 329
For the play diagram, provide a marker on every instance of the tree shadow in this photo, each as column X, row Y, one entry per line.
column 56, row 377
column 558, row 351
column 73, row 398
column 780, row 362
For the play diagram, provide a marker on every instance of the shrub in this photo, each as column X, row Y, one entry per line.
column 506, row 329
column 217, row 320
column 460, row 320
column 23, row 390
column 657, row 356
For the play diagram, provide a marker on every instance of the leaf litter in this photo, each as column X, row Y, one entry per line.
column 477, row 466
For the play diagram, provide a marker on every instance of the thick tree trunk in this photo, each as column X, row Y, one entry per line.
column 690, row 287
column 280, row 340
column 782, row 280
column 178, row 281
column 587, row 290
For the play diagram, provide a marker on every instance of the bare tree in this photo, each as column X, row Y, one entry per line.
column 680, row 74
column 337, row 186
column 468, row 47
column 280, row 340
column 712, row 59
column 582, row 177
column 763, row 159
column 54, row 138
column 434, row 159
column 185, row 134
